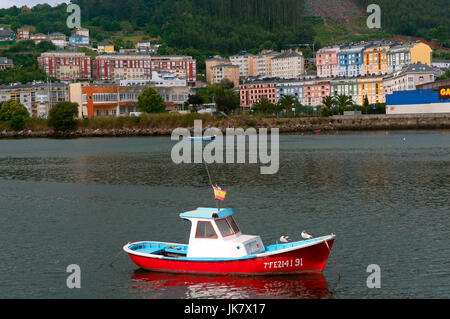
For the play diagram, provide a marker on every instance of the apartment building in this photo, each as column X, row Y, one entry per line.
column 105, row 47
column 37, row 97
column 174, row 96
column 159, row 79
column 375, row 58
column 314, row 91
column 408, row 78
column 181, row 66
column 288, row 64
column 441, row 64
column 112, row 100
column 65, row 65
column 350, row 60
column 247, row 63
column 345, row 86
column 210, row 63
column 254, row 91
column 289, row 87
column 226, row 71
column 327, row 62
column 96, row 100
column 122, row 66
column 264, row 63
column 371, row 87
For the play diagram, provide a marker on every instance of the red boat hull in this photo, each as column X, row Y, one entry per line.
column 311, row 259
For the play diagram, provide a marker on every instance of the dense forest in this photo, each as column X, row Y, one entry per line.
column 203, row 28
column 225, row 26
column 428, row 19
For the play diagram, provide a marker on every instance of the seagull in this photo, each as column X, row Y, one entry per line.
column 305, row 235
column 284, row 239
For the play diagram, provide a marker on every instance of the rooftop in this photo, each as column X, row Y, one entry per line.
column 205, row 212
column 417, row 67
column 288, row 54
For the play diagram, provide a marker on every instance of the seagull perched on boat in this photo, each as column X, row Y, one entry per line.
column 284, row 239
column 305, row 235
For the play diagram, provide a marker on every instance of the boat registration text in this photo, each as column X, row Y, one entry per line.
column 298, row 262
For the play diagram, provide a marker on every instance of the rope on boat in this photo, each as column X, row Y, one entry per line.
column 332, row 259
column 115, row 258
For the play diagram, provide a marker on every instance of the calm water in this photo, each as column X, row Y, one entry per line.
column 385, row 195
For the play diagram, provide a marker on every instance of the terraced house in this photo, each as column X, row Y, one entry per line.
column 371, row 87
column 314, row 91
column 345, row 86
column 375, row 58
column 327, row 62
column 350, row 60
column 402, row 54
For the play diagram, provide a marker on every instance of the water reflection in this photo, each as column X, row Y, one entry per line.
column 154, row 285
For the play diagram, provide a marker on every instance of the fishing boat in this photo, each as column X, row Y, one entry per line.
column 217, row 246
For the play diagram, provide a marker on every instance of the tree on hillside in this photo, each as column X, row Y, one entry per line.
column 62, row 116
column 149, row 101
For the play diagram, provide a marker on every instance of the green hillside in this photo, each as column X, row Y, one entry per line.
column 206, row 27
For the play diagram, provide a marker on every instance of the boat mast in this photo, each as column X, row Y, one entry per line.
column 212, row 185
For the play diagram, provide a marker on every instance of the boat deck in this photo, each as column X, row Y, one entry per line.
column 179, row 251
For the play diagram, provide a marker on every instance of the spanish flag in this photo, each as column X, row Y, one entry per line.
column 219, row 193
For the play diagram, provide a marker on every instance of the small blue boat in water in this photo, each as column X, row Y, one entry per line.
column 202, row 138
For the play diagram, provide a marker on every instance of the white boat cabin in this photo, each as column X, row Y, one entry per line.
column 214, row 233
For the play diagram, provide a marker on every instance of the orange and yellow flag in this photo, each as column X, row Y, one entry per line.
column 219, row 193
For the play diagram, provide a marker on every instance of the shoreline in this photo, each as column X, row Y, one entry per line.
column 286, row 126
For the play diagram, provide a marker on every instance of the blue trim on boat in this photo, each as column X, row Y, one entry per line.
column 205, row 212
column 157, row 248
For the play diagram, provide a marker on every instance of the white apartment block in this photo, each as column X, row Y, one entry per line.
column 246, row 62
column 288, row 65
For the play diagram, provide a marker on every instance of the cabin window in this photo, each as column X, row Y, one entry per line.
column 205, row 230
column 224, row 228
column 233, row 224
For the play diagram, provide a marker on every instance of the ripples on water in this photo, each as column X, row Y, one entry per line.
column 79, row 201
